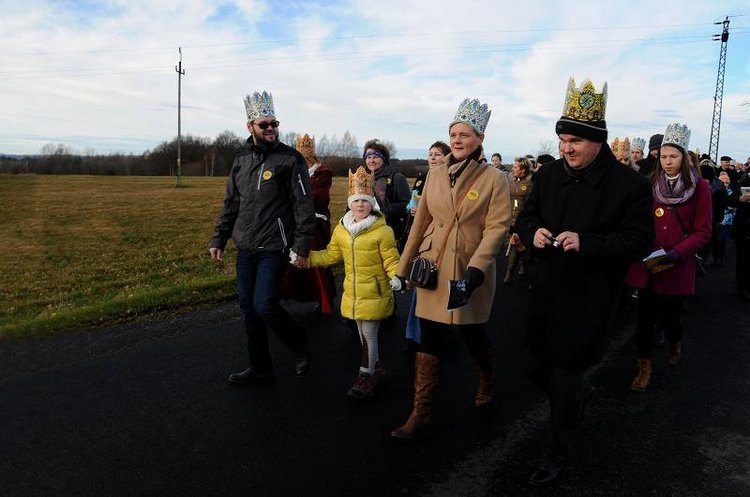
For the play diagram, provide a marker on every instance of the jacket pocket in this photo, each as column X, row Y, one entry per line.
column 282, row 232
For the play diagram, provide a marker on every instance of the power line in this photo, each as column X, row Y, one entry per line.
column 365, row 37
column 353, row 55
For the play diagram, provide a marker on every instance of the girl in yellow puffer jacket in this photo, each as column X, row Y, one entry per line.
column 368, row 248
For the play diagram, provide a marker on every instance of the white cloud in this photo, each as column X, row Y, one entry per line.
column 103, row 75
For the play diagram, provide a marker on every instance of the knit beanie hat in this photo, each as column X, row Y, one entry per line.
column 655, row 142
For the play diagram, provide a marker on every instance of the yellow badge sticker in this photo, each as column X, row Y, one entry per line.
column 523, row 188
column 659, row 212
column 267, row 175
column 388, row 181
column 472, row 195
column 419, row 183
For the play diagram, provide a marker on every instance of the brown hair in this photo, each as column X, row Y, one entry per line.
column 525, row 164
column 375, row 145
column 442, row 146
column 685, row 167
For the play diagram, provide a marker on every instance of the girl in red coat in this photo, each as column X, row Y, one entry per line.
column 682, row 217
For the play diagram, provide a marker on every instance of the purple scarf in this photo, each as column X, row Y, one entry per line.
column 671, row 193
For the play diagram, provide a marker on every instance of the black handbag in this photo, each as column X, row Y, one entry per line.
column 423, row 273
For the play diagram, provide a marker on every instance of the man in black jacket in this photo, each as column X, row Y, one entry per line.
column 267, row 211
column 587, row 219
column 648, row 163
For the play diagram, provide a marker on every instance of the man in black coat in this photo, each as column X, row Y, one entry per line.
column 588, row 218
column 648, row 163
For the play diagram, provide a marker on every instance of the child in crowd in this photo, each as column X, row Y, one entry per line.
column 368, row 248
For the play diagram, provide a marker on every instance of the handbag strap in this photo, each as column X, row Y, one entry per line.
column 453, row 221
column 679, row 220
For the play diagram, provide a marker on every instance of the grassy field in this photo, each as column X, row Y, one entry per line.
column 84, row 250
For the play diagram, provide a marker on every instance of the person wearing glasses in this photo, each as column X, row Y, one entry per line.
column 268, row 211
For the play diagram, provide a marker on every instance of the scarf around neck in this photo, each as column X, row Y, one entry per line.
column 673, row 192
column 355, row 227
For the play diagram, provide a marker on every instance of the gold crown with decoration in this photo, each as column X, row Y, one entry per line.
column 584, row 103
column 306, row 145
column 361, row 182
column 361, row 187
column 621, row 148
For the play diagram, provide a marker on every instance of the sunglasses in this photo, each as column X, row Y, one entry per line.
column 273, row 124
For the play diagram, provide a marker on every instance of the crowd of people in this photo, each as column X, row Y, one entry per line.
column 583, row 226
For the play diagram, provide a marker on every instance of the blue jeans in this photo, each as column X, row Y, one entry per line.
column 259, row 276
column 412, row 321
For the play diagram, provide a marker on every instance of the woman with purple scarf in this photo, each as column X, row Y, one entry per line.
column 682, row 216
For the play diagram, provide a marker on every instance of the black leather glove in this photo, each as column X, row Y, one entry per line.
column 474, row 279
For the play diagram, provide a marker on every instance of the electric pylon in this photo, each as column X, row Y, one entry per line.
column 713, row 146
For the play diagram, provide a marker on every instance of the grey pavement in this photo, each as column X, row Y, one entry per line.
column 145, row 409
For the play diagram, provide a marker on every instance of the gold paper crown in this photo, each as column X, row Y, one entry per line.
column 361, row 182
column 621, row 149
column 584, row 104
column 306, row 145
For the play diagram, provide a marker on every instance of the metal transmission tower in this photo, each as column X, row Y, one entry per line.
column 713, row 146
column 180, row 73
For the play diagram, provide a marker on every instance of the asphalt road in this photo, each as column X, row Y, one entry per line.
column 146, row 410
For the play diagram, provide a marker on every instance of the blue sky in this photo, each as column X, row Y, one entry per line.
column 99, row 76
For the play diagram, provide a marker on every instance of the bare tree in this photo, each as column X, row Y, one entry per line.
column 546, row 147
column 323, row 147
column 349, row 147
column 288, row 138
column 392, row 150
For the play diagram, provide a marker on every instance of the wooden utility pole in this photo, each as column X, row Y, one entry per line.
column 180, row 73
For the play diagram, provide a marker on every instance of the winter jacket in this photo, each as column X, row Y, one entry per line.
column 519, row 190
column 267, row 205
column 370, row 259
column 741, row 222
column 482, row 221
column 574, row 293
column 695, row 214
column 392, row 193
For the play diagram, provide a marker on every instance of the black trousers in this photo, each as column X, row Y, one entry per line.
column 568, row 391
column 742, row 269
column 652, row 307
column 434, row 336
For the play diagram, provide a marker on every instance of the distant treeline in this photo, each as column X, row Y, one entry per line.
column 198, row 157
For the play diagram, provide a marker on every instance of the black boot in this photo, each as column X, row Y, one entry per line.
column 250, row 375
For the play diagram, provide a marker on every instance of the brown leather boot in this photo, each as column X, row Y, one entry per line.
column 486, row 388
column 675, row 353
column 512, row 262
column 426, row 374
column 640, row 383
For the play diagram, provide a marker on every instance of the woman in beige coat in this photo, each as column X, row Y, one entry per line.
column 462, row 219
